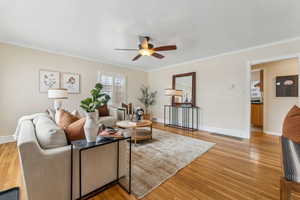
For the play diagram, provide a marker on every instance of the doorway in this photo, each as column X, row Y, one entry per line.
column 274, row 90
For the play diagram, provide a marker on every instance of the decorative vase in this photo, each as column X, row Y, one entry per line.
column 90, row 127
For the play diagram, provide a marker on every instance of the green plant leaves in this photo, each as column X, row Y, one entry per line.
column 96, row 100
column 147, row 98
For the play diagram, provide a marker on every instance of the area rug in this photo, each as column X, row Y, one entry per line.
column 155, row 161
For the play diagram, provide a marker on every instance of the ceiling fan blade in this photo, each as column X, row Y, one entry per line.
column 145, row 44
column 157, row 55
column 166, row 48
column 126, row 49
column 137, row 57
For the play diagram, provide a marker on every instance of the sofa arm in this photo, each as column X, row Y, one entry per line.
column 43, row 169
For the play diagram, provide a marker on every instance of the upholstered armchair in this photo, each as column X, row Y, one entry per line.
column 290, row 182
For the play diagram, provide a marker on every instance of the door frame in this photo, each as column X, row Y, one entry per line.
column 248, row 84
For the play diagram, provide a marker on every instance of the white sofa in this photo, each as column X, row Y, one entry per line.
column 47, row 172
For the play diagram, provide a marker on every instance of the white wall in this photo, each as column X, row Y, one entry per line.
column 222, row 87
column 19, row 84
column 276, row 108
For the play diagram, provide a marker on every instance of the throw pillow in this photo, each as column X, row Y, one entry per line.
column 64, row 118
column 291, row 125
column 48, row 134
column 103, row 111
column 75, row 131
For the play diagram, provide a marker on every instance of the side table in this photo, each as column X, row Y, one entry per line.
column 83, row 145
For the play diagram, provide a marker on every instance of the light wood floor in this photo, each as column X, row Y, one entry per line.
column 233, row 169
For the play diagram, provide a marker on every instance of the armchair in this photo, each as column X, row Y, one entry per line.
column 115, row 114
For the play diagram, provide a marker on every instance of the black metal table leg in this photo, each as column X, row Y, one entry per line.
column 80, row 193
column 130, row 166
column 71, row 173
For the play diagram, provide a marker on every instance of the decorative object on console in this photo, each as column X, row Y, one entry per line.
column 90, row 105
column 58, row 95
column 177, row 94
column 147, row 99
column 48, row 79
column 71, row 82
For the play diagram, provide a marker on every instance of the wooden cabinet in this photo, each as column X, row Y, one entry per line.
column 257, row 115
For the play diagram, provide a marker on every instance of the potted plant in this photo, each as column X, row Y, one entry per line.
column 91, row 105
column 147, row 99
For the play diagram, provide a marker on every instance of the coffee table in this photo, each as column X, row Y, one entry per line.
column 137, row 134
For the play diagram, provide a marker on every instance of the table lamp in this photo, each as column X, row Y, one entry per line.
column 58, row 94
column 173, row 92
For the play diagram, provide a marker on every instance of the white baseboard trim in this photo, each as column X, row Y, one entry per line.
column 221, row 131
column 272, row 133
column 7, row 139
column 227, row 132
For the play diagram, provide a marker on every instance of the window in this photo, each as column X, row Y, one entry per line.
column 115, row 86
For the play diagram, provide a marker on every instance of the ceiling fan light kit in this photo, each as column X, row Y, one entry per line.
column 147, row 49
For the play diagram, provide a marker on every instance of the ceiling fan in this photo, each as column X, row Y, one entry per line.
column 147, row 49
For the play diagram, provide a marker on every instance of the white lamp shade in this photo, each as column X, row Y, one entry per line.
column 59, row 93
column 173, row 92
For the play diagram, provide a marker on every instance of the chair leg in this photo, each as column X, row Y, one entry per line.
column 285, row 189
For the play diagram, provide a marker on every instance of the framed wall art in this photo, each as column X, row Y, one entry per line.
column 48, row 79
column 71, row 82
column 287, row 86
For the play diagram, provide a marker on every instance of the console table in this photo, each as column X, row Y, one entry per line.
column 83, row 145
column 184, row 117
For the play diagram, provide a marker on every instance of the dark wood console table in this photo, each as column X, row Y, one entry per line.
column 183, row 117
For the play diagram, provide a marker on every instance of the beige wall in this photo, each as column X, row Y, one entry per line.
column 222, row 87
column 19, row 84
column 276, row 108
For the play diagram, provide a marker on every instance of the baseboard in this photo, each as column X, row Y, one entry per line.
column 272, row 133
column 6, row 139
column 228, row 132
column 221, row 131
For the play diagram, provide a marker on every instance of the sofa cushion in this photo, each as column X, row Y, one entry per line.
column 75, row 131
column 63, row 118
column 291, row 125
column 48, row 134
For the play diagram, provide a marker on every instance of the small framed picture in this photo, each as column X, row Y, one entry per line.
column 48, row 79
column 71, row 82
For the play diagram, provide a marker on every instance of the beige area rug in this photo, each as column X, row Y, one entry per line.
column 155, row 161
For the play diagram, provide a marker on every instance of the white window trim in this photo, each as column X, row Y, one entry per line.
column 113, row 74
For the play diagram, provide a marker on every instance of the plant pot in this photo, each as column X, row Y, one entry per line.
column 90, row 127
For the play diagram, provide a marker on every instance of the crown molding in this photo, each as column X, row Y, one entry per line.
column 227, row 53
column 61, row 53
column 158, row 68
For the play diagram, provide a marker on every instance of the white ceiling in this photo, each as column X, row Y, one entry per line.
column 200, row 28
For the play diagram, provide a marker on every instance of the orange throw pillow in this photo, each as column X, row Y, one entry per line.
column 64, row 118
column 291, row 125
column 75, row 131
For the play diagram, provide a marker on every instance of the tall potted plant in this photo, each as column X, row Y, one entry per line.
column 147, row 99
column 91, row 105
